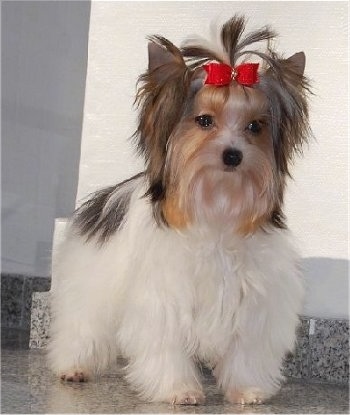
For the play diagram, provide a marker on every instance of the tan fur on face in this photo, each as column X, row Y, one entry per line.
column 175, row 216
column 199, row 186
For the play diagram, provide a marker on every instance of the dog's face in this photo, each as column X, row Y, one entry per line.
column 220, row 161
column 219, row 155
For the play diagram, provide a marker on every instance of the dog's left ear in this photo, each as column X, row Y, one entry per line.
column 287, row 89
column 297, row 62
column 291, row 70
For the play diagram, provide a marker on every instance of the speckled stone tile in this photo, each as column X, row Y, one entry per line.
column 27, row 302
column 40, row 320
column 11, row 300
column 296, row 364
column 16, row 298
column 14, row 338
column 29, row 387
column 329, row 350
column 40, row 284
column 32, row 285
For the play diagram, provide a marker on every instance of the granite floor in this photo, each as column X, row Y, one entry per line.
column 28, row 387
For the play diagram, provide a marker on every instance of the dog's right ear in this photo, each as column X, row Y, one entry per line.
column 161, row 98
column 164, row 59
column 157, row 56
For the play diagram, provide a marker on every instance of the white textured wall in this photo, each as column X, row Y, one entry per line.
column 316, row 202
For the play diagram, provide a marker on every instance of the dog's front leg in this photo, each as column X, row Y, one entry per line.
column 160, row 367
column 249, row 373
column 165, row 375
column 250, row 369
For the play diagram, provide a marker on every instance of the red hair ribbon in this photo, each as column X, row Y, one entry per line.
column 222, row 74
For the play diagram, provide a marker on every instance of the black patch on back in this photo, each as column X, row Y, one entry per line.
column 95, row 218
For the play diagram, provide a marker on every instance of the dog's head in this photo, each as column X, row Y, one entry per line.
column 218, row 146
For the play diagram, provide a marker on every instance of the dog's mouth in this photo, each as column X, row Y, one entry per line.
column 230, row 169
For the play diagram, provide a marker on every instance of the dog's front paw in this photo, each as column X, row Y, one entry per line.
column 188, row 398
column 247, row 396
column 74, row 376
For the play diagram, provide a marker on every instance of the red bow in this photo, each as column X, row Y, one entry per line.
column 222, row 74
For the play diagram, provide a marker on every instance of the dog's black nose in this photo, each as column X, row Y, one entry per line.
column 232, row 157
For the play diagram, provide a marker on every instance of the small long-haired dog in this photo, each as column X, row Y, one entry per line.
column 191, row 260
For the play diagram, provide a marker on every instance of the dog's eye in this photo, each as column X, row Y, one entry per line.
column 254, row 127
column 205, row 120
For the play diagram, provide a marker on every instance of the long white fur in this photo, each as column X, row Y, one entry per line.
column 164, row 299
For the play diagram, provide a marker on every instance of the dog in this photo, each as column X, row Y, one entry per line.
column 191, row 261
